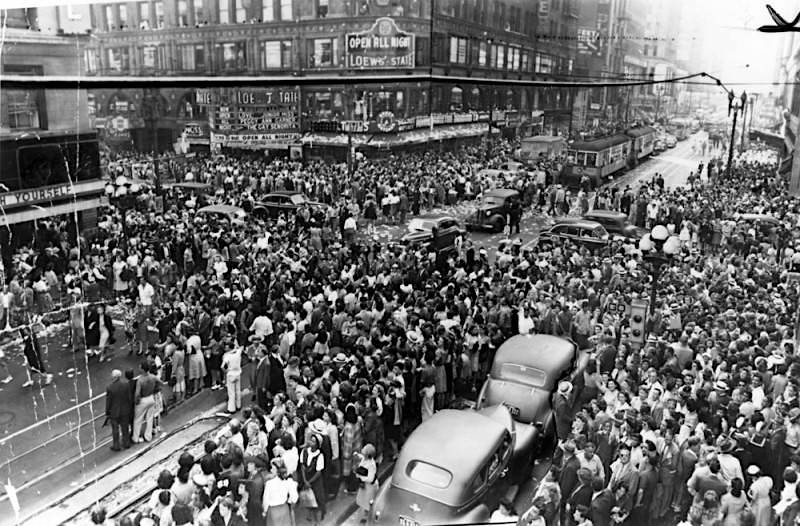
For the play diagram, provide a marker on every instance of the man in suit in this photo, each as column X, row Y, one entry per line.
column 118, row 409
column 562, row 410
column 707, row 479
column 568, row 478
column 581, row 495
column 259, row 380
column 602, row 502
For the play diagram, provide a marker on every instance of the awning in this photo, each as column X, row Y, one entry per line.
column 334, row 139
column 37, row 212
column 440, row 133
column 773, row 140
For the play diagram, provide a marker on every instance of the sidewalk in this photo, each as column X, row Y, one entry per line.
column 77, row 485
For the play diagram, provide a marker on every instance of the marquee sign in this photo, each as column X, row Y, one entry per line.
column 383, row 46
column 45, row 194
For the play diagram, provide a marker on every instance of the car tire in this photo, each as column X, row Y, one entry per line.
column 498, row 224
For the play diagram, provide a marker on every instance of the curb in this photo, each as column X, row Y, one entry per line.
column 383, row 474
column 209, row 414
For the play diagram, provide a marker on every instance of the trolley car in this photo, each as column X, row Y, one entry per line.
column 600, row 159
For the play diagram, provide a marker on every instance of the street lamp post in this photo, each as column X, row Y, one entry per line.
column 122, row 193
column 658, row 247
column 736, row 104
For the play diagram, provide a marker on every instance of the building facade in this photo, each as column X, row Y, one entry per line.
column 49, row 163
column 504, row 39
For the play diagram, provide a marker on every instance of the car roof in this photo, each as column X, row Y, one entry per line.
column 583, row 223
column 286, row 192
column 460, row 442
column 500, row 192
column 544, row 138
column 597, row 145
column 221, row 209
column 605, row 213
column 436, row 218
column 189, row 185
column 552, row 354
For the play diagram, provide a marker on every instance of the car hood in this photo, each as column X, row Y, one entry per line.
column 533, row 403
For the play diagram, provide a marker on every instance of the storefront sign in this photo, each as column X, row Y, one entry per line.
column 44, row 194
column 254, row 140
column 354, row 126
column 383, row 46
column 386, row 122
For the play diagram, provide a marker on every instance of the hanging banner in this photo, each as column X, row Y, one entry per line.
column 383, row 46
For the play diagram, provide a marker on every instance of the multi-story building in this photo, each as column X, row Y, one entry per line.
column 339, row 39
column 49, row 158
column 789, row 76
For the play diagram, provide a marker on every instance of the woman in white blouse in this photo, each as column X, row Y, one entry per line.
column 280, row 493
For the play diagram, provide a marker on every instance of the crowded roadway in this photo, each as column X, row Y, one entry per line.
column 345, row 339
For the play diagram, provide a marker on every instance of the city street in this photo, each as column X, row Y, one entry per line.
column 72, row 433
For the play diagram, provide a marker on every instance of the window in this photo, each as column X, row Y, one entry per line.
column 119, row 59
column 493, row 57
column 192, row 57
column 267, row 10
column 501, row 57
column 151, row 57
column 110, row 25
column 144, row 15
column 286, row 9
column 241, row 12
column 456, row 98
column 90, row 58
column 276, row 54
column 324, row 52
column 428, row 474
column 231, row 56
column 183, row 13
column 458, row 50
column 524, row 63
column 322, row 8
column 159, row 14
column 482, row 54
column 199, row 13
column 224, row 13
column 73, row 13
column 20, row 109
column 513, row 58
column 123, row 16
column 544, row 63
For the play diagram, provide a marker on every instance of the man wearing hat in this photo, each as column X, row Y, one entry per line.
column 562, row 410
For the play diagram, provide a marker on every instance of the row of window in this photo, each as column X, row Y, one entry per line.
column 466, row 51
column 194, row 12
column 494, row 13
column 274, row 54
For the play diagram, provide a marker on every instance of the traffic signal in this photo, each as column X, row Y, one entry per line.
column 638, row 320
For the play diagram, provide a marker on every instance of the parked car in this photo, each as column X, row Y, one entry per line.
column 524, row 375
column 492, row 210
column 658, row 147
column 671, row 141
column 615, row 223
column 590, row 234
column 451, row 470
column 234, row 214
column 436, row 233
column 277, row 203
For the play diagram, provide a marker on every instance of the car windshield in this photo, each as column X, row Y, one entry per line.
column 420, row 225
column 523, row 374
column 428, row 474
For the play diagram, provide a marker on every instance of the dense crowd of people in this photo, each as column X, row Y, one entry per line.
column 353, row 342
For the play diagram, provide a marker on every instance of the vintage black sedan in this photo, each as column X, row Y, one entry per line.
column 492, row 210
column 615, row 223
column 436, row 233
column 589, row 234
column 281, row 203
column 525, row 373
column 451, row 470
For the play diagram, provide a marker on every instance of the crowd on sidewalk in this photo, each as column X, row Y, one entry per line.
column 353, row 342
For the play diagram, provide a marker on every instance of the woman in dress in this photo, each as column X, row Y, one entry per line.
column 733, row 504
column 312, row 469
column 760, row 502
column 99, row 331
column 280, row 493
column 350, row 443
column 367, row 473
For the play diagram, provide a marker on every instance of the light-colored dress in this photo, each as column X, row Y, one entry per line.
column 732, row 508
column 369, row 484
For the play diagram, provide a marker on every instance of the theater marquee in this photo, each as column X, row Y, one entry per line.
column 383, row 46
